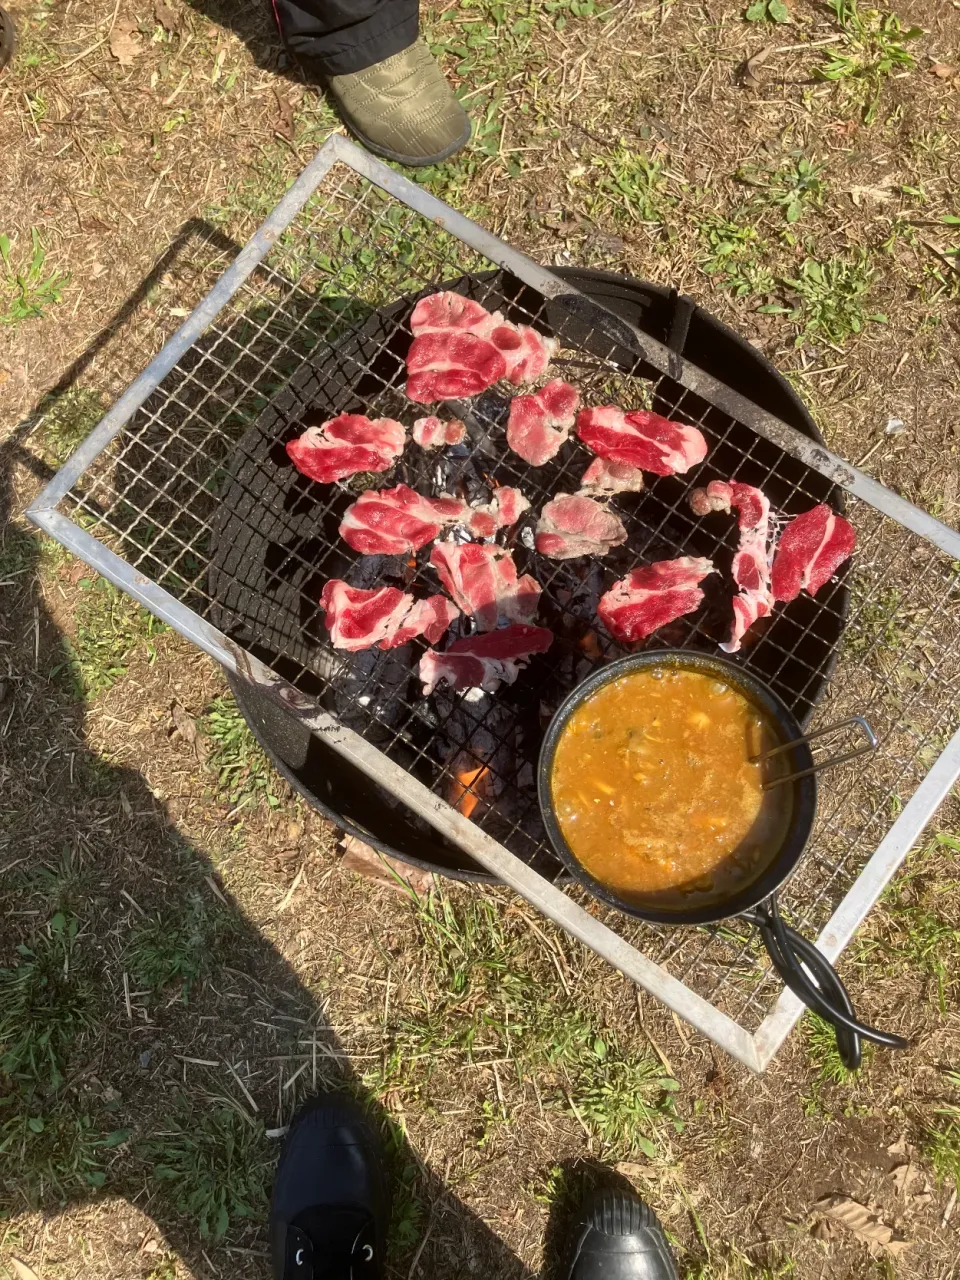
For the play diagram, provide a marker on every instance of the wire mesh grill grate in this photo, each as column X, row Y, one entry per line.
column 196, row 494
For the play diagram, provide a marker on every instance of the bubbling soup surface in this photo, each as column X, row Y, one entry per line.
column 655, row 792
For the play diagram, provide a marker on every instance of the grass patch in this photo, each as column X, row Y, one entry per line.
column 631, row 187
column 732, row 255
column 794, row 185
column 28, row 288
column 243, row 771
column 68, row 420
column 176, row 946
column 920, row 936
column 45, row 1004
column 213, row 1167
column 942, row 1144
column 484, row 992
column 109, row 627
column 874, row 47
column 831, row 298
column 44, row 1148
column 734, row 1264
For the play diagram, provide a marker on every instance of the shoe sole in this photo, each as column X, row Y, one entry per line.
column 413, row 162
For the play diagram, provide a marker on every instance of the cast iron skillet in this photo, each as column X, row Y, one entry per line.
column 804, row 969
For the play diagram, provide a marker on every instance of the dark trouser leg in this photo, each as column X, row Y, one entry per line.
column 340, row 37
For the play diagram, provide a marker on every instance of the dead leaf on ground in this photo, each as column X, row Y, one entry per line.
column 125, row 42
column 749, row 69
column 168, row 17
column 366, row 861
column 882, row 193
column 183, row 724
column 943, row 70
column 284, row 127
column 861, row 1222
column 21, row 1271
column 904, row 1176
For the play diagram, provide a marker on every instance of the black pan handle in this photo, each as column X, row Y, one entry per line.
column 811, row 977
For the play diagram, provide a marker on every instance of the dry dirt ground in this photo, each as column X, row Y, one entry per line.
column 184, row 955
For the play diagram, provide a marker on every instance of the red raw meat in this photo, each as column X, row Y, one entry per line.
column 484, row 661
column 527, row 353
column 572, row 525
column 606, row 477
column 386, row 616
column 459, row 348
column 451, row 365
column 812, row 548
column 443, row 312
column 483, row 581
column 388, row 522
column 751, row 563
column 431, row 433
column 641, row 439
column 652, row 596
column 540, row 423
column 345, row 445
column 507, row 507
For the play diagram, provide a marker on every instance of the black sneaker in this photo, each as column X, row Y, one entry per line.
column 619, row 1238
column 331, row 1198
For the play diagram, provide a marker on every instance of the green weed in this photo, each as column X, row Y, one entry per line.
column 212, row 1167
column 767, row 11
column 243, row 771
column 943, row 1140
column 632, row 186
column 44, row 1147
column 178, row 946
column 27, row 289
column 68, row 419
column 874, row 47
column 879, row 618
column 733, row 256
column 794, row 185
column 46, row 1003
column 821, row 1045
column 18, row 554
column 108, row 628
column 831, row 298
column 920, row 937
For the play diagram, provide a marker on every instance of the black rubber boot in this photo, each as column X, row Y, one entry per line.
column 619, row 1238
column 331, row 1198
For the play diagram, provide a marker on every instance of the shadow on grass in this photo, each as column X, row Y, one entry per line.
column 102, row 901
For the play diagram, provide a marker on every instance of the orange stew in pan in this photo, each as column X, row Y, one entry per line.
column 655, row 792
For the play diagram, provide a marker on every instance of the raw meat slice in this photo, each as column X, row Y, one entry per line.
column 444, row 312
column 483, row 581
column 540, row 423
column 751, row 563
column 527, row 353
column 385, row 616
column 388, row 522
column 812, row 547
column 431, row 433
column 652, row 596
column 429, row 618
column 450, row 365
column 641, row 439
column 606, row 477
column 345, row 445
column 573, row 525
column 484, row 661
column 506, row 508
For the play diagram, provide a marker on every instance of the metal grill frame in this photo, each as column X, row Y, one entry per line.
column 755, row 1049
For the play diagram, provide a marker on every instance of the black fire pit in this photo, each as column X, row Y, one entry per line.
column 276, row 543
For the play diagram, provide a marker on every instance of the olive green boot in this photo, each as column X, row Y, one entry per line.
column 403, row 108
